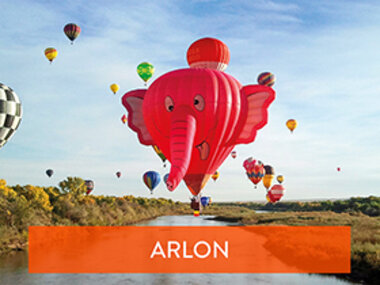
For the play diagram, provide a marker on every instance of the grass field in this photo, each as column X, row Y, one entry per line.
column 365, row 230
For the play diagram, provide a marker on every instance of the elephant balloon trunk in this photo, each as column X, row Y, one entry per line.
column 183, row 128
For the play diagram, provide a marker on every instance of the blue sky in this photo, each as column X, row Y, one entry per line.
column 325, row 55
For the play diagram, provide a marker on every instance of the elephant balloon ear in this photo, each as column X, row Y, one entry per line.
column 254, row 116
column 133, row 102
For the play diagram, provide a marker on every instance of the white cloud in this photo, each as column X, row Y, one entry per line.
column 327, row 72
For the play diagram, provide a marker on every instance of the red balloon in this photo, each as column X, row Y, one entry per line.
column 255, row 170
column 338, row 168
column 208, row 53
column 196, row 117
column 275, row 193
column 124, row 119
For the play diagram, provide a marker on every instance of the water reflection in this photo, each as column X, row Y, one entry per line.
column 14, row 269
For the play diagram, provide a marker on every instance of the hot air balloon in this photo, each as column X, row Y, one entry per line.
column 10, row 113
column 145, row 70
column 205, row 201
column 51, row 53
column 124, row 119
column 233, row 154
column 268, row 177
column 280, row 179
column 291, row 124
column 254, row 170
column 195, row 203
column 90, row 186
column 266, row 78
column 215, row 176
column 276, row 193
column 72, row 31
column 338, row 169
column 118, row 174
column 166, row 177
column 49, row 172
column 195, row 135
column 208, row 53
column 151, row 180
column 160, row 154
column 114, row 88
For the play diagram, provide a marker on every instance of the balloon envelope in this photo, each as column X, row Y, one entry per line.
column 215, row 176
column 145, row 70
column 276, row 193
column 280, row 179
column 118, row 174
column 72, row 31
column 124, row 119
column 291, row 124
column 269, row 170
column 254, row 170
column 166, row 177
column 205, row 201
column 195, row 204
column 114, row 88
column 233, row 154
column 159, row 153
column 197, row 116
column 267, row 180
column 151, row 179
column 208, row 53
column 266, row 78
column 49, row 172
column 90, row 186
column 10, row 113
column 51, row 53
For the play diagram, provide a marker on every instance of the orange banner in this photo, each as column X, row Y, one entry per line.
column 168, row 249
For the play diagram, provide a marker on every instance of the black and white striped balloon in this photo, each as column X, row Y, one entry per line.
column 10, row 113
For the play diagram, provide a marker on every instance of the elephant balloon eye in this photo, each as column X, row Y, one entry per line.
column 199, row 102
column 169, row 104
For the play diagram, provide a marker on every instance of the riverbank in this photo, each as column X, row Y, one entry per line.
column 69, row 206
column 365, row 231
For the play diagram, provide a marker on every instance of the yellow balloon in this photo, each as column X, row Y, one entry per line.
column 215, row 175
column 267, row 180
column 280, row 179
column 51, row 53
column 114, row 88
column 291, row 124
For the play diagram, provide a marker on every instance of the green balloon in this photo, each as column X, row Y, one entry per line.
column 145, row 70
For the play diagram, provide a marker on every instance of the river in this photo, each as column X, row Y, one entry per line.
column 14, row 269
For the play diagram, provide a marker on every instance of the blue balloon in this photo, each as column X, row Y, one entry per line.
column 205, row 201
column 151, row 179
column 166, row 177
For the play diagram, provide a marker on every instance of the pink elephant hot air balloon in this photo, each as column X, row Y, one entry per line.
column 196, row 116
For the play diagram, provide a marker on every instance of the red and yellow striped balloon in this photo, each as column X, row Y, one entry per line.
column 51, row 53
